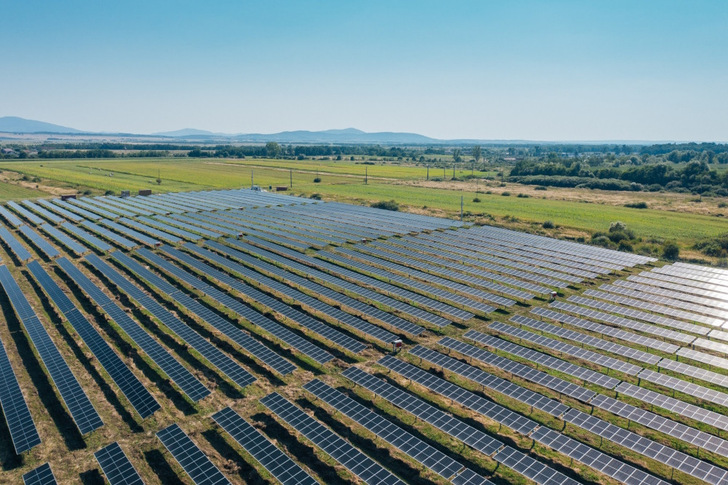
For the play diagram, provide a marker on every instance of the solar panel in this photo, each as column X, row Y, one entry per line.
column 339, row 297
column 623, row 322
column 75, row 209
column 93, row 208
column 25, row 213
column 15, row 246
column 344, row 276
column 169, row 229
column 164, row 360
column 76, row 400
column 651, row 317
column 647, row 342
column 62, row 238
column 684, row 409
column 191, row 458
column 133, row 389
column 523, row 464
column 39, row 242
column 484, row 270
column 142, row 238
column 539, row 358
column 41, row 211
column 212, row 354
column 111, row 236
column 116, row 466
column 593, row 424
column 274, row 328
column 150, row 230
column 412, row 446
column 66, row 214
column 12, row 219
column 17, row 415
column 278, row 464
column 525, row 372
column 284, row 309
column 563, row 347
column 245, row 341
column 441, row 420
column 479, row 376
column 354, row 460
column 85, row 236
column 483, row 280
column 685, row 387
column 606, row 345
column 43, row 475
column 188, row 227
column 451, row 295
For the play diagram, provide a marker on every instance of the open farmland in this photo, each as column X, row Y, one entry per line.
column 674, row 217
column 199, row 323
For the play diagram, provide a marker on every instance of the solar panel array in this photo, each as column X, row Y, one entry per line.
column 192, row 460
column 215, row 356
column 288, row 284
column 353, row 459
column 161, row 357
column 302, row 319
column 133, row 389
column 17, row 415
column 243, row 339
column 76, row 400
column 278, row 464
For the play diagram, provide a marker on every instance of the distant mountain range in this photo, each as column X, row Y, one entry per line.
column 15, row 125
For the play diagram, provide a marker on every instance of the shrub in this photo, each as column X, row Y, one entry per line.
column 636, row 205
column 548, row 225
column 540, row 187
column 317, row 180
column 625, row 246
column 315, row 196
column 523, row 196
column 505, row 194
column 670, row 251
column 476, row 200
column 390, row 205
column 109, row 192
column 722, row 204
column 87, row 192
column 601, row 241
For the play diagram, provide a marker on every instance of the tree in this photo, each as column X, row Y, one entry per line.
column 477, row 153
column 456, row 155
column 272, row 149
column 670, row 251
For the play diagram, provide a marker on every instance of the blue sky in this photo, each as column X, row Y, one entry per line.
column 539, row 70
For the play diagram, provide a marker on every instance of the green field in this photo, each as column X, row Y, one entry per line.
column 344, row 180
column 17, row 192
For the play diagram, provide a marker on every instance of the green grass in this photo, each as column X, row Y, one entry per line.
column 10, row 191
column 343, row 180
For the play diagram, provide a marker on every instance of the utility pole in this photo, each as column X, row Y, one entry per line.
column 453, row 171
column 366, row 175
column 428, row 172
column 290, row 173
column 252, row 178
column 462, row 198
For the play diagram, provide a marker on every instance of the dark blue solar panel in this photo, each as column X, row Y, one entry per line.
column 77, row 402
column 192, row 460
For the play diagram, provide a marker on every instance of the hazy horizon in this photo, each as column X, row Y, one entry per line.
column 542, row 71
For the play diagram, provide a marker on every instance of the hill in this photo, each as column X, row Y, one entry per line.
column 14, row 124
